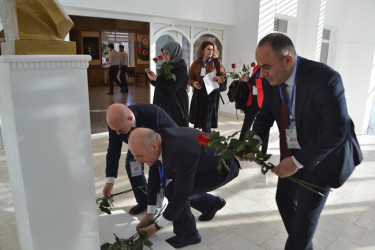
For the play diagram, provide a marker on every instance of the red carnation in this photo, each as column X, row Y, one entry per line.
column 160, row 57
column 203, row 139
column 253, row 64
column 233, row 65
column 155, row 60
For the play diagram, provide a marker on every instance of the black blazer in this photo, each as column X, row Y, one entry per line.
column 192, row 168
column 325, row 132
column 146, row 115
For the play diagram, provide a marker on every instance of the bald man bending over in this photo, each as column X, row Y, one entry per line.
column 174, row 154
column 121, row 120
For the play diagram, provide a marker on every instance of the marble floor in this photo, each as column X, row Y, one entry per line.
column 250, row 219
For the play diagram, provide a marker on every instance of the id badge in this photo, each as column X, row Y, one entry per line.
column 203, row 71
column 291, row 137
column 255, row 90
column 160, row 198
column 135, row 168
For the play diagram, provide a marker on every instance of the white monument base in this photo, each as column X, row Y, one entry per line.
column 124, row 226
column 46, row 132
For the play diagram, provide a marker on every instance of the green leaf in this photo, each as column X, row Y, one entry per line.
column 225, row 165
column 138, row 243
column 266, row 157
column 228, row 155
column 234, row 144
column 250, row 156
column 105, row 210
column 219, row 166
column 214, row 135
column 249, row 134
column 106, row 246
column 147, row 242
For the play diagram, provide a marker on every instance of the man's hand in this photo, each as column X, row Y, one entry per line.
column 144, row 222
column 242, row 159
column 285, row 168
column 107, row 190
column 150, row 230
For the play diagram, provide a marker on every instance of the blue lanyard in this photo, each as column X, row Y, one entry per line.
column 207, row 62
column 292, row 97
column 161, row 173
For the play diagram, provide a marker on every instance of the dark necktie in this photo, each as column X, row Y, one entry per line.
column 284, row 124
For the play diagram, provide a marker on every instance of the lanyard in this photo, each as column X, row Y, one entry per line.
column 292, row 96
column 207, row 62
column 161, row 173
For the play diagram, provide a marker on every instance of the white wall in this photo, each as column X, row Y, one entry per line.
column 354, row 54
column 240, row 42
column 214, row 11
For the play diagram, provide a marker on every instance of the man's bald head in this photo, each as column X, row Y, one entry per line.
column 119, row 118
column 145, row 145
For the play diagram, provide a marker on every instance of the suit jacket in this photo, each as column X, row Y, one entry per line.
column 146, row 115
column 192, row 168
column 325, row 132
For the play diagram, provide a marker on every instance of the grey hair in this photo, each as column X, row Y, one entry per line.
column 280, row 44
column 150, row 136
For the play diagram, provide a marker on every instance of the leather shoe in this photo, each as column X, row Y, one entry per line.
column 110, row 93
column 137, row 209
column 209, row 214
column 124, row 91
column 183, row 241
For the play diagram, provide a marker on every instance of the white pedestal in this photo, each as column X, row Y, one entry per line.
column 124, row 226
column 47, row 139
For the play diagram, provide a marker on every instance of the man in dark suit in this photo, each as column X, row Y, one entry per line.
column 192, row 171
column 312, row 116
column 121, row 120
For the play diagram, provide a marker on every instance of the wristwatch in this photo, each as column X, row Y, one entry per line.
column 157, row 226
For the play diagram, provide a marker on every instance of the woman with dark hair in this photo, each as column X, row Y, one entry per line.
column 204, row 108
column 170, row 94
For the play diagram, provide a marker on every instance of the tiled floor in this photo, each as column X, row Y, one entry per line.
column 250, row 219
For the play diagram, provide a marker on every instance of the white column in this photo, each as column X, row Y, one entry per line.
column 47, row 139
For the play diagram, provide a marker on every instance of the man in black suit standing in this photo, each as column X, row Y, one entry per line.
column 317, row 139
column 192, row 171
column 121, row 120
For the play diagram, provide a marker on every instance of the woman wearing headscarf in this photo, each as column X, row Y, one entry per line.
column 204, row 108
column 171, row 94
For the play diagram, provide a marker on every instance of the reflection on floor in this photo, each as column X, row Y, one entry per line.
column 250, row 219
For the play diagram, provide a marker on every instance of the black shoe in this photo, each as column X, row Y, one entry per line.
column 209, row 214
column 183, row 241
column 124, row 91
column 137, row 209
column 110, row 93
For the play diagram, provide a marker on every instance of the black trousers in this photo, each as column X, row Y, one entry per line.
column 123, row 77
column 300, row 209
column 139, row 194
column 112, row 71
column 185, row 224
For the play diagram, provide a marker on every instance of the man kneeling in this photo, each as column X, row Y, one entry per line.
column 190, row 171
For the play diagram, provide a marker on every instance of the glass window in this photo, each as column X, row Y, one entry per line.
column 324, row 50
column 118, row 38
column 174, row 36
column 280, row 25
